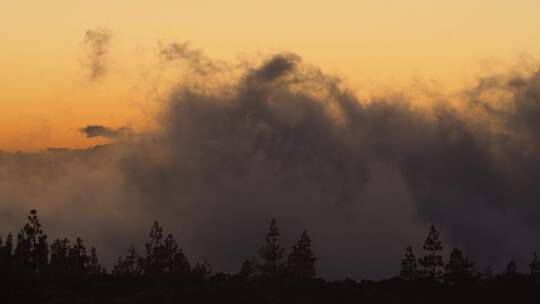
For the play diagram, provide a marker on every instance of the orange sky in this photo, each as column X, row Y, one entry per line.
column 46, row 95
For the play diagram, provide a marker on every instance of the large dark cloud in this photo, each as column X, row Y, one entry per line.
column 364, row 177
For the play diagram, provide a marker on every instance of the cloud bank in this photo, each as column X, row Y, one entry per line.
column 285, row 140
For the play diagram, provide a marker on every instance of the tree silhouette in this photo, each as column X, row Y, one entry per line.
column 301, row 260
column 511, row 269
column 535, row 268
column 132, row 265
column 271, row 253
column 248, row 270
column 153, row 262
column 59, row 257
column 174, row 257
column 164, row 275
column 486, row 274
column 94, row 267
column 78, row 258
column 432, row 261
column 32, row 251
column 409, row 267
column 459, row 268
column 6, row 254
column 8, row 246
column 164, row 255
column 202, row 271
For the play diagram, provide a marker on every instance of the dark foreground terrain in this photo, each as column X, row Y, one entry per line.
column 229, row 289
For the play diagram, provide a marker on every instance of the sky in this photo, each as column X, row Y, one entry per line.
column 373, row 45
column 364, row 122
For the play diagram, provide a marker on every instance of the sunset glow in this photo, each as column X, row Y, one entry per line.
column 376, row 46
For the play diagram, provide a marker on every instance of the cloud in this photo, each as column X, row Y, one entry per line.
column 97, row 43
column 285, row 140
column 193, row 59
column 276, row 67
column 102, row 131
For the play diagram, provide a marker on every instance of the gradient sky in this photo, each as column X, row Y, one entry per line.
column 46, row 96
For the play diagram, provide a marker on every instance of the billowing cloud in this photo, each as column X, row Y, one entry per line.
column 364, row 177
column 97, row 43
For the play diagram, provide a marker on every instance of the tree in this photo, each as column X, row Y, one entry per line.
column 174, row 257
column 6, row 255
column 164, row 255
column 511, row 269
column 132, row 262
column 202, row 271
column 459, row 268
column 301, row 260
column 94, row 267
column 248, row 269
column 32, row 251
column 59, row 257
column 409, row 267
column 118, row 267
column 131, row 265
column 8, row 246
column 271, row 253
column 153, row 262
column 432, row 261
column 486, row 274
column 78, row 258
column 535, row 268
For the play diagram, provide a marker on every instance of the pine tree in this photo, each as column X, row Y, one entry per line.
column 488, row 273
column 271, row 253
column 78, row 258
column 23, row 254
column 6, row 255
column 118, row 267
column 8, row 246
column 202, row 271
column 153, row 262
column 94, row 267
column 432, row 261
column 59, row 257
column 248, row 269
column 485, row 275
column 535, row 268
column 175, row 259
column 164, row 255
column 459, row 268
column 131, row 265
column 32, row 251
column 301, row 260
column 3, row 257
column 132, row 262
column 409, row 267
column 511, row 269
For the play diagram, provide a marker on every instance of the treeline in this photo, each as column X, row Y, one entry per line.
column 458, row 269
column 35, row 270
column 29, row 255
column 163, row 256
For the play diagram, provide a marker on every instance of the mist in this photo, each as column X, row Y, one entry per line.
column 280, row 138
